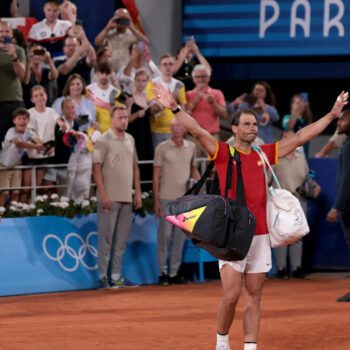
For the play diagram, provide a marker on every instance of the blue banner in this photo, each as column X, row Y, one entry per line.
column 258, row 28
column 50, row 254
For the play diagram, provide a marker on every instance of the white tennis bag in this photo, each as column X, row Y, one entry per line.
column 286, row 220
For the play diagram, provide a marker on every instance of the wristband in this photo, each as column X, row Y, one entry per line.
column 176, row 110
column 334, row 210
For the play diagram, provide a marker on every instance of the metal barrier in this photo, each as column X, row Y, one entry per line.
column 34, row 187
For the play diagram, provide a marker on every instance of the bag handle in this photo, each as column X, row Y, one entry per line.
column 266, row 164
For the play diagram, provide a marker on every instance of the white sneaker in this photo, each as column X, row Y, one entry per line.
column 223, row 346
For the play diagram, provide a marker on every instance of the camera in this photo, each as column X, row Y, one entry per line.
column 250, row 99
column 7, row 40
column 38, row 51
column 123, row 97
column 123, row 21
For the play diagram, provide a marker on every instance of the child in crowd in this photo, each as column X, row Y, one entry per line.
column 42, row 122
column 17, row 139
column 63, row 149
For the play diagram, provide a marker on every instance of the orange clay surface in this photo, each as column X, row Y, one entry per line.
column 296, row 314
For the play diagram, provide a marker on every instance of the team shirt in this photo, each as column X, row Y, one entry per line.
column 52, row 40
column 160, row 123
column 104, row 100
column 253, row 179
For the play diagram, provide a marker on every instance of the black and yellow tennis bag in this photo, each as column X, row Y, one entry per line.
column 223, row 226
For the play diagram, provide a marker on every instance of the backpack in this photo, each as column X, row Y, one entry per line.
column 223, row 226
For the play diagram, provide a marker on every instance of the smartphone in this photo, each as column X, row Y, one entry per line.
column 79, row 22
column 39, row 52
column 141, row 46
column 83, row 119
column 190, row 38
column 123, row 21
column 7, row 40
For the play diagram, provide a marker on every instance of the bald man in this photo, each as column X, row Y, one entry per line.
column 118, row 35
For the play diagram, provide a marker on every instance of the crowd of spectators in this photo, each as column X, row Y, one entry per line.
column 58, row 90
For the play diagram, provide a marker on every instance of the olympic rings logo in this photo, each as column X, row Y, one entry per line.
column 77, row 255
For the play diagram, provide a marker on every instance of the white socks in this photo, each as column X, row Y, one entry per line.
column 221, row 338
column 250, row 346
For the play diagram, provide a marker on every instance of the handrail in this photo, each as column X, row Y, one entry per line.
column 33, row 187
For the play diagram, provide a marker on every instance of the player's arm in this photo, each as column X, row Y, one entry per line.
column 207, row 141
column 310, row 131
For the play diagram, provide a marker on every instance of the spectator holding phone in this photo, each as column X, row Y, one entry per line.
column 119, row 33
column 12, row 71
column 140, row 58
column 262, row 101
column 188, row 57
column 68, row 11
column 51, row 31
column 300, row 115
column 79, row 57
column 40, row 70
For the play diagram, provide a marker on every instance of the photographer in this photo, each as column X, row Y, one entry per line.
column 79, row 57
column 40, row 70
column 12, row 70
column 188, row 57
column 140, row 58
column 262, row 101
column 118, row 35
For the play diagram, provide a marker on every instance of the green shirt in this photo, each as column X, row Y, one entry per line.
column 10, row 84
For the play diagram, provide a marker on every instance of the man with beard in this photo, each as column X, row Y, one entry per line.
column 250, row 272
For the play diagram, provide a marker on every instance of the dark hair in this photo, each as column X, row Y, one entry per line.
column 20, row 111
column 103, row 67
column 20, row 39
column 236, row 118
column 65, row 91
column 270, row 98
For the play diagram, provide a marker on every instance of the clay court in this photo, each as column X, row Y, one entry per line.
column 297, row 314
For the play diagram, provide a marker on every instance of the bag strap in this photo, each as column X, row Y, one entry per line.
column 195, row 189
column 240, row 194
column 266, row 164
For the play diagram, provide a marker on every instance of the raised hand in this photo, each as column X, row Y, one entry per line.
column 341, row 101
column 164, row 97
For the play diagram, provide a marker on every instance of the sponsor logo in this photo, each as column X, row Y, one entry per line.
column 71, row 252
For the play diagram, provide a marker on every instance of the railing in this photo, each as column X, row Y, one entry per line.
column 34, row 187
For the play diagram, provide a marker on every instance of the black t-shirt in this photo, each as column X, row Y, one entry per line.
column 184, row 74
column 62, row 152
column 81, row 68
